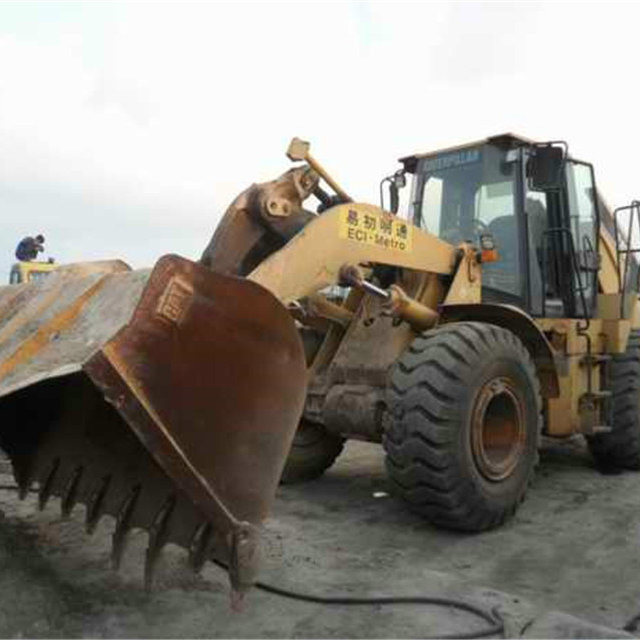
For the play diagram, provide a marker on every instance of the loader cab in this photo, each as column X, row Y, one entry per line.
column 537, row 209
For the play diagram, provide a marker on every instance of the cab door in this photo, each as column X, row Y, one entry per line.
column 582, row 210
column 562, row 221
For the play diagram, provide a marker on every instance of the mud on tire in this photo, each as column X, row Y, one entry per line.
column 620, row 449
column 313, row 451
column 453, row 473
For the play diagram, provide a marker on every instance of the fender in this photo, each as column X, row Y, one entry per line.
column 522, row 325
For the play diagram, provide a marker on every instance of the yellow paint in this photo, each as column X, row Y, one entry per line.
column 30, row 347
column 32, row 271
column 312, row 259
column 607, row 336
column 31, row 311
column 373, row 228
column 466, row 287
column 36, row 307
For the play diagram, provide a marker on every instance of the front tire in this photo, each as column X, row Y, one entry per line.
column 462, row 442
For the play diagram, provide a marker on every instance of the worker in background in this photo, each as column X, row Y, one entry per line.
column 29, row 247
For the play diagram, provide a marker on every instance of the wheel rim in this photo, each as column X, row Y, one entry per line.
column 497, row 429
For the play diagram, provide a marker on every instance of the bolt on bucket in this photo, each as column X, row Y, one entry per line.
column 167, row 399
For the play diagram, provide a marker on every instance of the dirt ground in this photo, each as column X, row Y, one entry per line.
column 573, row 547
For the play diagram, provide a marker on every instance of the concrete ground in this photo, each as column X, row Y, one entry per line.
column 574, row 547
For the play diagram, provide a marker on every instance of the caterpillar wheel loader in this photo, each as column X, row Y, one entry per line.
column 503, row 305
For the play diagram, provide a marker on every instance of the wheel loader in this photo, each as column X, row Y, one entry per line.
column 501, row 306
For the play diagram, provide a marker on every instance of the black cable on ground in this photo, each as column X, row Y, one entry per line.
column 495, row 628
column 496, row 624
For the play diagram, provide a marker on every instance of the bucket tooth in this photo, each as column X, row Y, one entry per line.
column 157, row 539
column 123, row 524
column 94, row 504
column 24, row 485
column 199, row 546
column 47, row 485
column 70, row 492
column 24, row 480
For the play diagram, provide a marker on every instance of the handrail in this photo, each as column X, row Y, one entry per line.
column 574, row 265
column 623, row 273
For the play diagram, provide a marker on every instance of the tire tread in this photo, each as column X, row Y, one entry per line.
column 427, row 385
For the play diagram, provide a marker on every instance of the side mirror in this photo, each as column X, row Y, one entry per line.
column 396, row 182
column 544, row 168
column 394, row 197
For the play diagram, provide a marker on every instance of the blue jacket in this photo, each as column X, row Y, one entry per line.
column 28, row 249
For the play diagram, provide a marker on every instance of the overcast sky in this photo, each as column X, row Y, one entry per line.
column 126, row 128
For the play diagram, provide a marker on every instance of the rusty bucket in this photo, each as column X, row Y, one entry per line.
column 167, row 399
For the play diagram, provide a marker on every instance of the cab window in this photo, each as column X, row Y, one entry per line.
column 460, row 196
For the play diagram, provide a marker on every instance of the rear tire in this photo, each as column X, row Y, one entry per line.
column 462, row 442
column 620, row 449
column 313, row 451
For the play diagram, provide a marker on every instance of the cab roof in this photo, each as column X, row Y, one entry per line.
column 506, row 140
